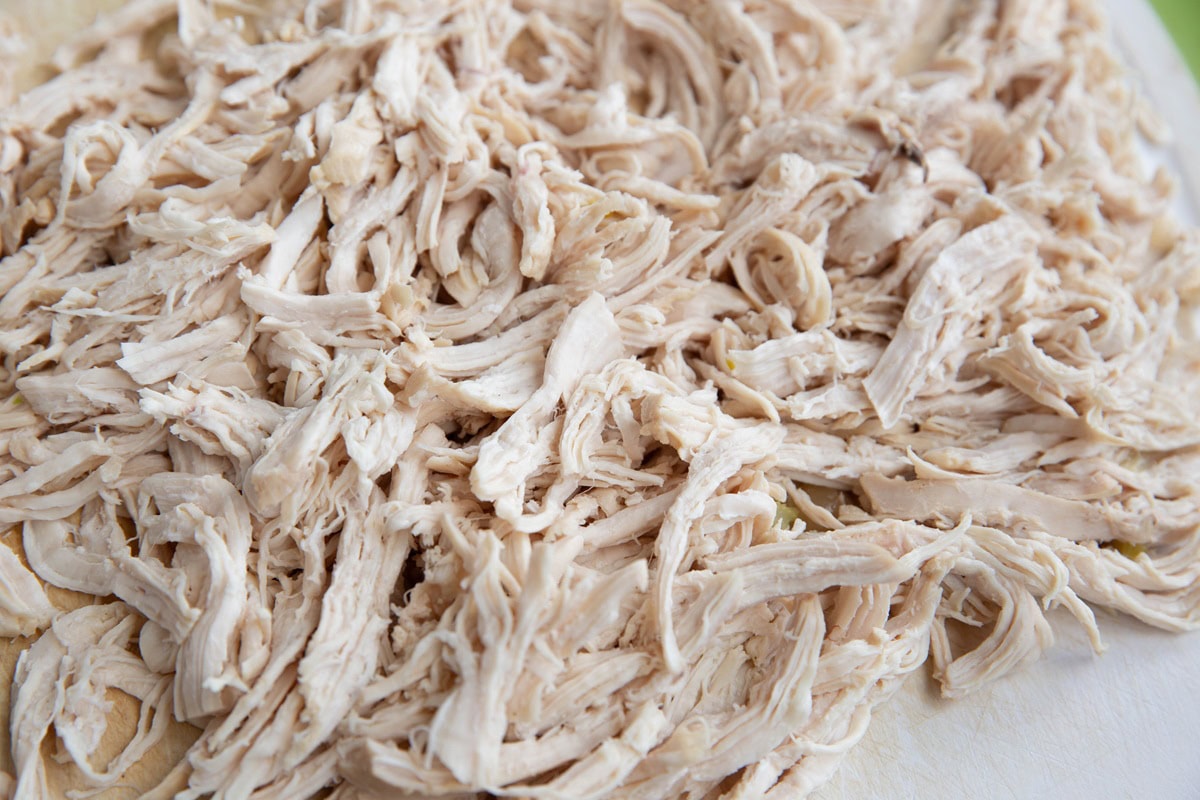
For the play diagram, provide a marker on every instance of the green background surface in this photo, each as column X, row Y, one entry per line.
column 1182, row 18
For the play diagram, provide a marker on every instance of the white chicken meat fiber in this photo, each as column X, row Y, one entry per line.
column 590, row 399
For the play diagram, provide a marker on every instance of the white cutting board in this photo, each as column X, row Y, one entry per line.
column 1073, row 726
column 1121, row 726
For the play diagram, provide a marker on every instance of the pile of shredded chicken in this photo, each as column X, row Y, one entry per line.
column 558, row 399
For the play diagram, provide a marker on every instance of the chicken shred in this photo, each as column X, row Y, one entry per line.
column 593, row 399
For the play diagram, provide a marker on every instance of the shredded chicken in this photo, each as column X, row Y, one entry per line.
column 591, row 399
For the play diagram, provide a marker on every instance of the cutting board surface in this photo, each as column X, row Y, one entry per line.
column 1073, row 726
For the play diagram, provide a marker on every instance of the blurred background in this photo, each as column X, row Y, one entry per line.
column 1182, row 19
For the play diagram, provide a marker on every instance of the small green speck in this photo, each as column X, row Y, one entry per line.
column 785, row 515
column 1127, row 549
